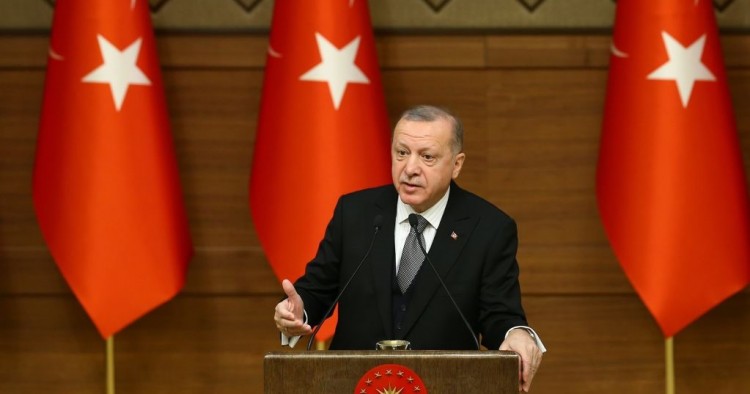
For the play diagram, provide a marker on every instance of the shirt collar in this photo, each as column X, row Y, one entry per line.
column 433, row 215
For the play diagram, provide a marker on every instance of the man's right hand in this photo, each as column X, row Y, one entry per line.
column 289, row 315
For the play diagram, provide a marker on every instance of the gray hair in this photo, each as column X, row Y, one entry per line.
column 429, row 113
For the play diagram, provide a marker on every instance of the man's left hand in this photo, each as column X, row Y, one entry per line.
column 521, row 342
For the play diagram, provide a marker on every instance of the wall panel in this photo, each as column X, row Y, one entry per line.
column 531, row 105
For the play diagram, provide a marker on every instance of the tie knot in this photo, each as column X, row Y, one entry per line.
column 421, row 223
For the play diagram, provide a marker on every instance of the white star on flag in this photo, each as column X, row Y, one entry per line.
column 684, row 66
column 118, row 70
column 337, row 68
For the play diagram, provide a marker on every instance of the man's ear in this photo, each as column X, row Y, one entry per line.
column 458, row 163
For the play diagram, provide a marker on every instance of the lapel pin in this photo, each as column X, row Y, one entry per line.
column 454, row 235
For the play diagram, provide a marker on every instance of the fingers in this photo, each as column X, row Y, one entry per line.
column 530, row 355
column 283, row 311
column 530, row 366
column 299, row 331
column 526, row 374
column 287, row 322
column 289, row 313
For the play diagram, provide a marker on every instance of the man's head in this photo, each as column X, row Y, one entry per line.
column 426, row 154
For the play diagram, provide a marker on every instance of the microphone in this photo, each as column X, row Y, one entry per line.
column 377, row 223
column 413, row 221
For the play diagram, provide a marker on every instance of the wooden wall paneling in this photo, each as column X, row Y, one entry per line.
column 211, row 344
column 241, row 50
column 581, row 50
column 531, row 105
column 214, row 114
column 548, row 51
column 21, row 98
column 213, row 51
column 569, row 269
column 596, row 344
column 543, row 150
column 240, row 270
column 739, row 86
column 709, row 363
column 175, row 50
column 189, row 345
column 566, row 269
column 610, row 344
column 214, row 344
column 23, row 50
column 29, row 271
column 48, row 345
column 736, row 50
column 463, row 51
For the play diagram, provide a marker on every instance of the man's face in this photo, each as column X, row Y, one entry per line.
column 422, row 162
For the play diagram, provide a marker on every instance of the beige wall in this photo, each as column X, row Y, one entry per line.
column 231, row 15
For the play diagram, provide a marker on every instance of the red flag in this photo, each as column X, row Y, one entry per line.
column 322, row 129
column 670, row 180
column 106, row 189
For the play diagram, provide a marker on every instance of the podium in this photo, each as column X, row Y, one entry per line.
column 399, row 371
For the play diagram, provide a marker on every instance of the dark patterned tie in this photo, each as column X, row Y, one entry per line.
column 412, row 256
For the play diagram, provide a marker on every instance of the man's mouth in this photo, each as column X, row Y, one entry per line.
column 410, row 185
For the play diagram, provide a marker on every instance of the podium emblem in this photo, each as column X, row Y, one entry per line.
column 390, row 379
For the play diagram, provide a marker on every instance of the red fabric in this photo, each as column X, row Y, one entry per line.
column 106, row 190
column 307, row 151
column 670, row 181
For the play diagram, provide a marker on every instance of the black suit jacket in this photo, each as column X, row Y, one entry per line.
column 479, row 268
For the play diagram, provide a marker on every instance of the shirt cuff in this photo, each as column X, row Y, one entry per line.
column 533, row 336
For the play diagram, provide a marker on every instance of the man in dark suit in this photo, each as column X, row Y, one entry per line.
column 471, row 243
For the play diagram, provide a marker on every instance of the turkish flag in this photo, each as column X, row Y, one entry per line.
column 106, row 190
column 322, row 130
column 670, row 180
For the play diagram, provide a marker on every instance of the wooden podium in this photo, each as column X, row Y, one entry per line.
column 344, row 371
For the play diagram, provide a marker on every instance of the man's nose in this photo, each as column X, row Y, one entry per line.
column 412, row 166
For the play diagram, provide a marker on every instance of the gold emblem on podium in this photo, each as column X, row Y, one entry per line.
column 390, row 379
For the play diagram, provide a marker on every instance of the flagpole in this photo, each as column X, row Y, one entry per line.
column 111, row 365
column 669, row 358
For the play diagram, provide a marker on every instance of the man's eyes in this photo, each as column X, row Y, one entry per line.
column 425, row 156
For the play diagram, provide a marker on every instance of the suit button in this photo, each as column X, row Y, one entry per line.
column 398, row 326
column 403, row 308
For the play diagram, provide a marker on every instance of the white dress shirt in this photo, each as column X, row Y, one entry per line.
column 433, row 216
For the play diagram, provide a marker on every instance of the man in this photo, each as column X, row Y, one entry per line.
column 471, row 243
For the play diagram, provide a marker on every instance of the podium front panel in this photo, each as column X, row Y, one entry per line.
column 344, row 371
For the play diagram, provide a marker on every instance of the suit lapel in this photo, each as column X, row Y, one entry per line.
column 443, row 253
column 382, row 259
